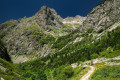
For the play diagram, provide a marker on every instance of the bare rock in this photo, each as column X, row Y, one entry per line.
column 48, row 17
column 76, row 19
column 103, row 15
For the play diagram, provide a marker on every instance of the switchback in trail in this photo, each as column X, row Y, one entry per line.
column 90, row 72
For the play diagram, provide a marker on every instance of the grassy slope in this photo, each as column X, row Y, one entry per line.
column 10, row 73
column 107, row 73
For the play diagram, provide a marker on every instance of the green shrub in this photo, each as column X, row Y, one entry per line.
column 47, row 39
column 94, row 55
column 63, row 72
column 68, row 71
column 61, row 77
column 64, row 40
column 38, row 75
column 90, row 30
column 10, row 73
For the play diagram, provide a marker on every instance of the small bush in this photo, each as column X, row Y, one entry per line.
column 68, row 71
column 90, row 30
column 47, row 40
column 38, row 75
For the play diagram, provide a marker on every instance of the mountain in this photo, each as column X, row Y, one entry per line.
column 103, row 15
column 32, row 37
column 46, row 46
column 48, row 17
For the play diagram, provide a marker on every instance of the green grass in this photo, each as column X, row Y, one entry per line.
column 107, row 73
column 116, row 61
column 6, row 64
column 11, row 73
column 110, row 54
column 99, row 65
column 79, row 73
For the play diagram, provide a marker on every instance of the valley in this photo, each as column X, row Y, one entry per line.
column 47, row 47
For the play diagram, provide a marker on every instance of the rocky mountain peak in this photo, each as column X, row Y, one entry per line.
column 48, row 17
column 103, row 15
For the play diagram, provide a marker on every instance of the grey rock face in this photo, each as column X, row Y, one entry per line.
column 48, row 17
column 76, row 19
column 103, row 15
column 18, row 36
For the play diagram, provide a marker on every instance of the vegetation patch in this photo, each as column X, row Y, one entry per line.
column 90, row 30
column 107, row 73
column 47, row 39
column 64, row 40
column 10, row 73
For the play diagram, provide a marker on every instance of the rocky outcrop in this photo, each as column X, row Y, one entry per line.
column 3, row 52
column 103, row 15
column 76, row 19
column 20, row 36
column 48, row 17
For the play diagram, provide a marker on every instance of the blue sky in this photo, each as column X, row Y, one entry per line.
column 15, row 9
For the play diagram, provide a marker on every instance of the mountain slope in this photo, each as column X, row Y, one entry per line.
column 52, row 46
column 103, row 15
column 87, row 45
column 8, row 71
column 48, row 17
column 33, row 36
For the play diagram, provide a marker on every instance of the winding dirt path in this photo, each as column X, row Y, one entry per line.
column 90, row 72
column 107, row 61
column 99, row 60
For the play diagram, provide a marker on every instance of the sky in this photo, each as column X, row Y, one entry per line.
column 15, row 9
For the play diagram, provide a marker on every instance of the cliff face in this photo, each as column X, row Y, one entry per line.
column 3, row 52
column 17, row 35
column 103, row 15
column 48, row 17
column 24, row 37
